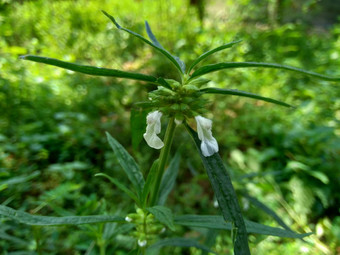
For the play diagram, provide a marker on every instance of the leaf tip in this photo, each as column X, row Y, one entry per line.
column 112, row 19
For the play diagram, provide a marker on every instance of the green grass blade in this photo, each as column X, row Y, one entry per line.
column 210, row 52
column 225, row 194
column 128, row 164
column 179, row 242
column 30, row 219
column 121, row 186
column 163, row 215
column 168, row 180
column 91, row 70
column 160, row 49
column 241, row 93
column 217, row 222
column 227, row 65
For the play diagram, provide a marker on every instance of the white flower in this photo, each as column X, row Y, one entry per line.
column 209, row 144
column 128, row 219
column 153, row 128
column 142, row 243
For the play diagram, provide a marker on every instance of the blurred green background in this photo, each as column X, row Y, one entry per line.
column 52, row 121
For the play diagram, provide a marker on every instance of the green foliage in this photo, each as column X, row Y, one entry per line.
column 53, row 122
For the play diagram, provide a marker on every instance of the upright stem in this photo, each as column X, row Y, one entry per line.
column 162, row 160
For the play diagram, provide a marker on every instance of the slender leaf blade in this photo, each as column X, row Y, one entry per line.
column 150, row 181
column 160, row 49
column 179, row 242
column 168, row 180
column 30, row 219
column 128, row 164
column 225, row 194
column 217, row 222
column 241, row 93
column 266, row 209
column 152, row 36
column 210, row 52
column 121, row 186
column 91, row 70
column 163, row 215
column 227, row 65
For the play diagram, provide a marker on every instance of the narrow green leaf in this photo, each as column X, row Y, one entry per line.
column 121, row 186
column 217, row 222
column 30, row 219
column 128, row 164
column 225, row 194
column 150, row 181
column 163, row 215
column 210, row 52
column 18, row 241
column 179, row 242
column 226, row 65
column 168, row 180
column 152, row 36
column 266, row 209
column 138, row 125
column 161, row 81
column 173, row 59
column 240, row 93
column 20, row 179
column 91, row 70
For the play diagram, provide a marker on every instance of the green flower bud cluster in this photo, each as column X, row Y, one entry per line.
column 147, row 227
column 182, row 100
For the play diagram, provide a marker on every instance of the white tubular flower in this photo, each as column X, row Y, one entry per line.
column 209, row 144
column 153, row 128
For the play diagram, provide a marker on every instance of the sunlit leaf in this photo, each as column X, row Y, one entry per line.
column 240, row 93
column 173, row 59
column 210, row 52
column 228, row 65
column 91, row 70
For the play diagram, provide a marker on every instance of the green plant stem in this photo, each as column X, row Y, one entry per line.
column 162, row 160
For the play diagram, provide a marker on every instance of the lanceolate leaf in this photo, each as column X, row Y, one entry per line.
column 168, row 179
column 128, row 164
column 210, row 52
column 163, row 215
column 92, row 70
column 179, row 242
column 121, row 186
column 240, row 93
column 227, row 65
column 160, row 49
column 266, row 209
column 217, row 222
column 30, row 219
column 225, row 194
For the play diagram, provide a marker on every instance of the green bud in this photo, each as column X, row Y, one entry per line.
column 190, row 88
column 199, row 82
column 174, row 84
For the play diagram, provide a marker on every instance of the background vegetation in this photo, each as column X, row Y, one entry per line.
column 52, row 122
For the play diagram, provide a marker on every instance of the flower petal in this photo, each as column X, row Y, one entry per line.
column 152, row 129
column 209, row 145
